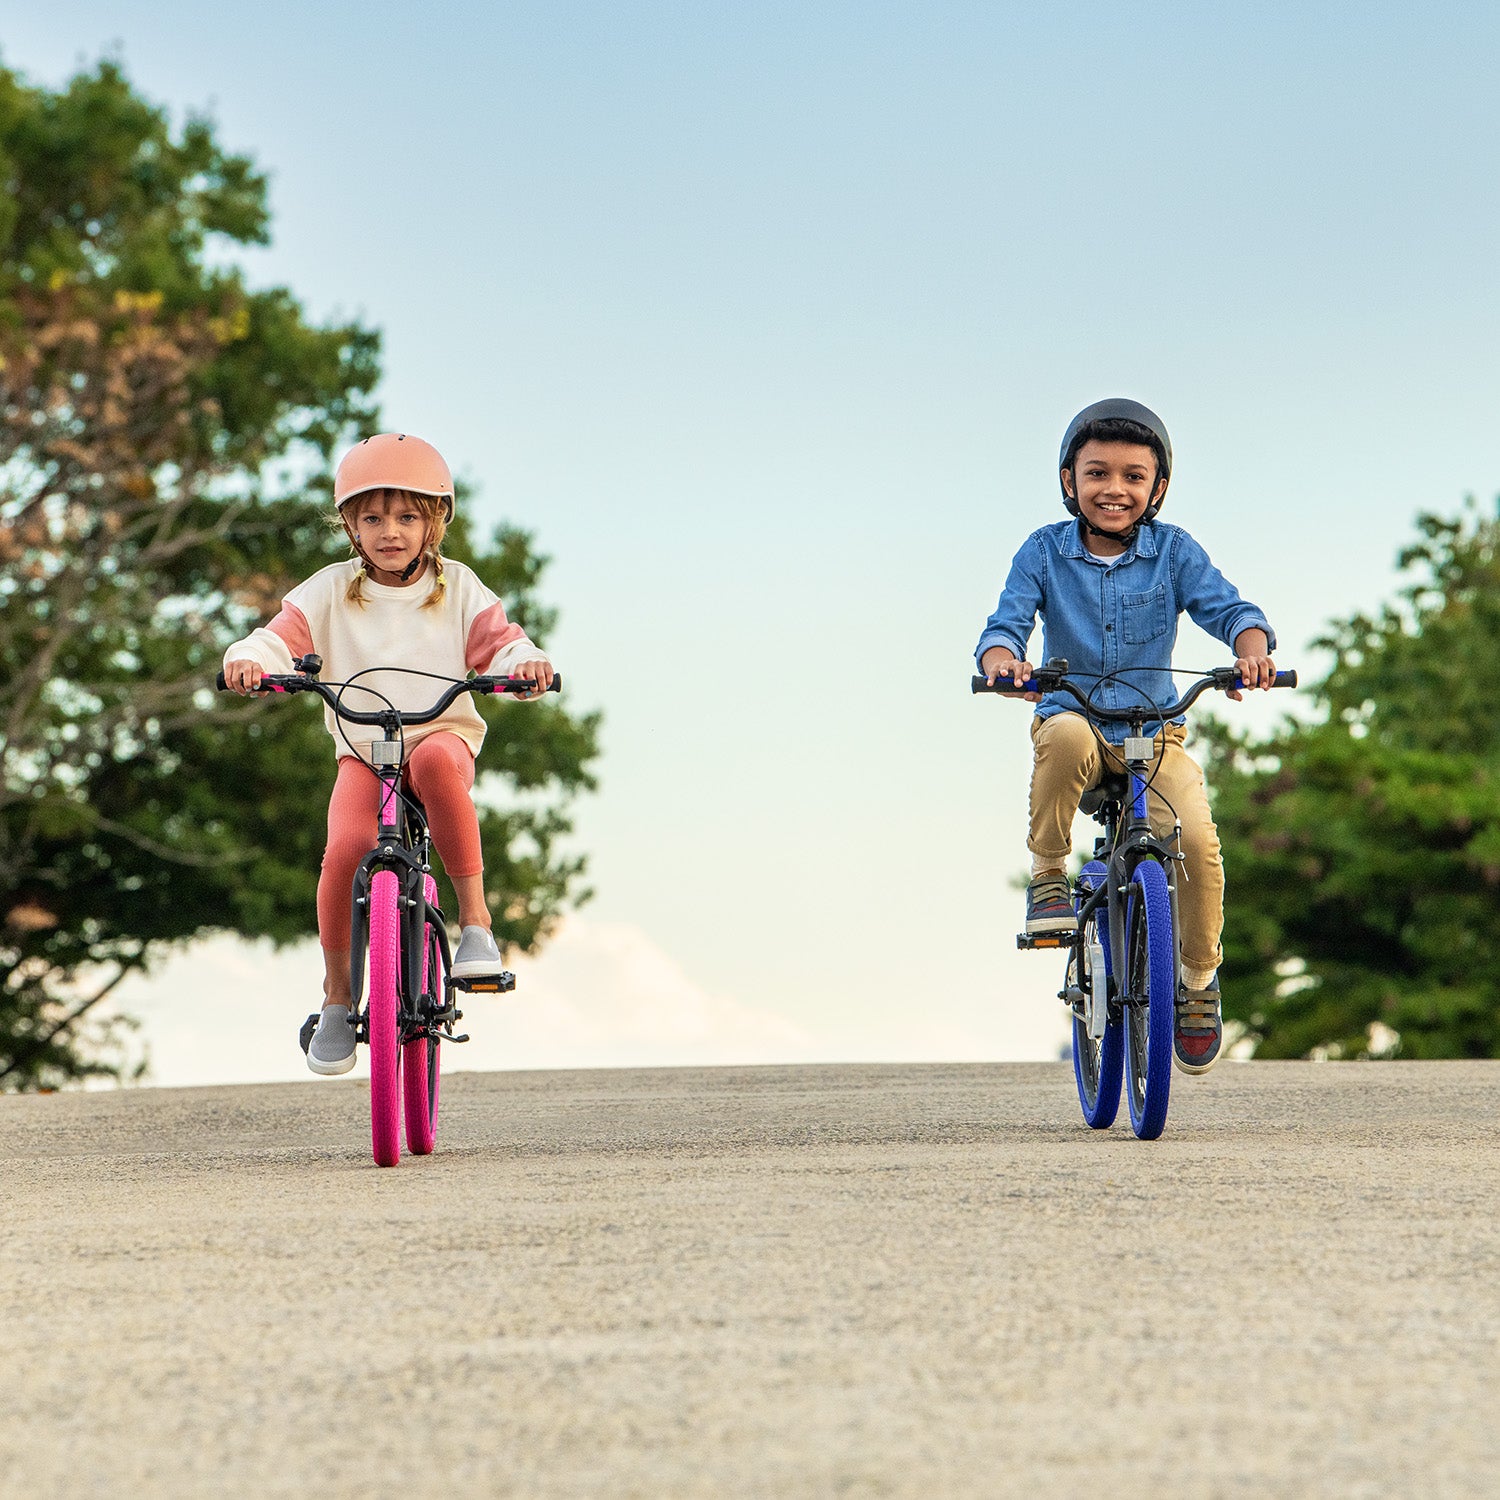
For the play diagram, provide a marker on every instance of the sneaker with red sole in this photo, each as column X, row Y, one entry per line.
column 1198, row 1033
column 1049, row 906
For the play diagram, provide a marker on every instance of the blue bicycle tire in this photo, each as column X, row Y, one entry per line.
column 1097, row 1069
column 1150, row 983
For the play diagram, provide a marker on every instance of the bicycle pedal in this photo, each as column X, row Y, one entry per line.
column 309, row 1026
column 1046, row 940
column 488, row 984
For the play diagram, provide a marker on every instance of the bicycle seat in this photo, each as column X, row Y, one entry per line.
column 1109, row 788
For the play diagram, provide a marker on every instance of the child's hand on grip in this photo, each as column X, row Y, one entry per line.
column 1000, row 663
column 538, row 671
column 243, row 676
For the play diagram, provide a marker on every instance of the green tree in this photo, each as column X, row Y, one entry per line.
column 165, row 437
column 1363, row 848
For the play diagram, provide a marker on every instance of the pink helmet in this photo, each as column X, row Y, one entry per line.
column 396, row 461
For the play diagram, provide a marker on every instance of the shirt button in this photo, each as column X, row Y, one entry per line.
column 1108, row 629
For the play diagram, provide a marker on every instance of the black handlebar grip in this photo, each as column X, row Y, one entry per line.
column 219, row 683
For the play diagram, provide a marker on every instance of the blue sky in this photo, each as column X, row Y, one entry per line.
column 767, row 320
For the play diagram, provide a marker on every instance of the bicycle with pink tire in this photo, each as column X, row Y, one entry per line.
column 411, row 1009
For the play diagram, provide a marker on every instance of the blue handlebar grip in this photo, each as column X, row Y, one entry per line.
column 1283, row 679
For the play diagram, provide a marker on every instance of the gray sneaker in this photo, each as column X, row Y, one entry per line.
column 477, row 956
column 1199, row 1030
column 1049, row 906
column 331, row 1049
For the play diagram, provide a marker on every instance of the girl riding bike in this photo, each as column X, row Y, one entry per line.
column 396, row 604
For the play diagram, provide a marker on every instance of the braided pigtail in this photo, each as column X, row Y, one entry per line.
column 440, row 587
column 355, row 593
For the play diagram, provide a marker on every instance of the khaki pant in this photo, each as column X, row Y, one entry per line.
column 1070, row 757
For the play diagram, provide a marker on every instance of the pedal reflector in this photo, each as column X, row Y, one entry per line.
column 1046, row 939
column 489, row 984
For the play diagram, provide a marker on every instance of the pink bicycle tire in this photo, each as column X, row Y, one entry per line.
column 422, row 1085
column 384, row 1010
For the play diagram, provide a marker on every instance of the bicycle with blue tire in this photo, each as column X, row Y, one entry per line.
column 1124, row 959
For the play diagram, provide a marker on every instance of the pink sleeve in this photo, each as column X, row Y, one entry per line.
column 490, row 633
column 291, row 626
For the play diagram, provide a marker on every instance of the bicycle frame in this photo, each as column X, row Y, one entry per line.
column 402, row 845
column 1127, row 842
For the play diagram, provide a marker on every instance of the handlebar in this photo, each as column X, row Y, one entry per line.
column 1053, row 677
column 329, row 693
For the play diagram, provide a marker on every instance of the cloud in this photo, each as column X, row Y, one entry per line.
column 604, row 994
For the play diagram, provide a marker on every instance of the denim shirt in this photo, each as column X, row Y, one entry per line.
column 1115, row 619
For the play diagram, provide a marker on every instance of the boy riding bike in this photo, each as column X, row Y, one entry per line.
column 397, row 603
column 1110, row 585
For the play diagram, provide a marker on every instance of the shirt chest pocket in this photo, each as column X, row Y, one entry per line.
column 1144, row 616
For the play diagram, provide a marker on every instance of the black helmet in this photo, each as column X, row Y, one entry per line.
column 1117, row 409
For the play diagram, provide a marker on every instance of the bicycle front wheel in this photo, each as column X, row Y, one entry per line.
column 1150, row 999
column 383, row 1014
column 1096, row 1063
column 421, row 1055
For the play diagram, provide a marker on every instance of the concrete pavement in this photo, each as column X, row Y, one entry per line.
column 884, row 1281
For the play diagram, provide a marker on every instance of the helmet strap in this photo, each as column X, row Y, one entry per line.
column 1128, row 537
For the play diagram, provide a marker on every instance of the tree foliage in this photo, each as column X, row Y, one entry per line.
column 165, row 436
column 1363, row 847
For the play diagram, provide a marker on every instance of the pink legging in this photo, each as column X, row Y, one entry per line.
column 440, row 771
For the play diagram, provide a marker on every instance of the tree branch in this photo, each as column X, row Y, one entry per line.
column 36, row 1046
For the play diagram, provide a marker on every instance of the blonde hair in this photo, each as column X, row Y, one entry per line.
column 432, row 508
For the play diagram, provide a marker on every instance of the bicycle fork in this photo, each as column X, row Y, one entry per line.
column 1094, row 999
column 409, row 865
column 1136, row 844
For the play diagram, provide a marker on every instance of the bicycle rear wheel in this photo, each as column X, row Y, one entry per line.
column 1096, row 1064
column 421, row 1065
column 1150, row 997
column 383, row 1013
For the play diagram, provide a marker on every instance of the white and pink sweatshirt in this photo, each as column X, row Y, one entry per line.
column 467, row 630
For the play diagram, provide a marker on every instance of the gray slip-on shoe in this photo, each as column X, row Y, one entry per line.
column 477, row 956
column 331, row 1049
